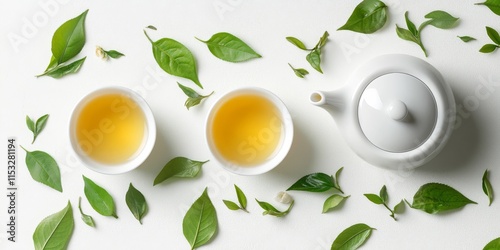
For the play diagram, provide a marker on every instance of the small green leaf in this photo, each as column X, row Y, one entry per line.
column 242, row 199
column 175, row 58
column 494, row 244
column 336, row 184
column 441, row 19
column 44, row 169
column 406, row 35
column 488, row 48
column 179, row 167
column 231, row 205
column 114, row 54
column 322, row 40
column 64, row 69
column 411, row 26
column 69, row 39
column 333, row 201
column 30, row 124
column 86, row 218
column 493, row 5
column 200, row 222
column 352, row 237
column 466, row 39
column 230, row 48
column 54, row 232
column 368, row 17
column 297, row 42
column 383, row 194
column 271, row 210
column 136, row 202
column 100, row 200
column 193, row 97
column 487, row 188
column 434, row 198
column 493, row 35
column 151, row 27
column 316, row 182
column 411, row 34
column 299, row 72
column 374, row 198
column 314, row 59
column 399, row 208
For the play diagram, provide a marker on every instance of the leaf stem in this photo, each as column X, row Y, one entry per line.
column 145, row 33
column 392, row 212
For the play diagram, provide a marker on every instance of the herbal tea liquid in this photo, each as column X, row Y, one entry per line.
column 111, row 128
column 246, row 129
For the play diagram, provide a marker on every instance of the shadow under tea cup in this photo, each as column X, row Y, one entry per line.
column 249, row 131
column 112, row 130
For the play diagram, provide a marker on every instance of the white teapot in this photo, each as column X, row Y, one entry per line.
column 395, row 112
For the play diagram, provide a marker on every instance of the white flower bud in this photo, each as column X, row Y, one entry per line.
column 284, row 197
column 100, row 53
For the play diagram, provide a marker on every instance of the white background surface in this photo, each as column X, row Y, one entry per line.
column 317, row 147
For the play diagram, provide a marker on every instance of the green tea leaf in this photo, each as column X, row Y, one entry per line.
column 488, row 48
column 299, row 72
column 200, row 222
column 336, row 184
column 406, row 35
column 54, row 232
column 100, row 200
column 295, row 41
column 383, row 194
column 368, row 17
column 493, row 5
column 114, row 54
column 441, row 19
column 411, row 34
column 487, row 188
column 230, row 48
column 64, row 69
column 434, row 198
column 271, row 210
column 352, row 237
column 86, row 218
column 179, row 167
column 242, row 199
column 136, row 202
column 493, row 35
column 37, row 127
column 466, row 39
column 151, row 27
column 231, row 205
column 314, row 59
column 175, row 58
column 322, row 40
column 411, row 26
column 399, row 208
column 193, row 97
column 333, row 201
column 44, row 169
column 374, row 198
column 494, row 244
column 316, row 182
column 69, row 39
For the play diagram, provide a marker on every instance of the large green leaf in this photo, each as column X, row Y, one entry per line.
column 69, row 39
column 54, row 232
column 44, row 169
column 200, row 222
column 352, row 237
column 316, row 182
column 230, row 48
column 368, row 17
column 99, row 198
column 433, row 198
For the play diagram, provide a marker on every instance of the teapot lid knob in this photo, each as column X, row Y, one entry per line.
column 397, row 110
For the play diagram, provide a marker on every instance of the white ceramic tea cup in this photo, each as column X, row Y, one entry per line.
column 285, row 133
column 140, row 154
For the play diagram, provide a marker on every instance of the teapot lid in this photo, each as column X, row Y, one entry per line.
column 397, row 112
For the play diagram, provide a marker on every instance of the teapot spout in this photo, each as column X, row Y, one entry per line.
column 327, row 99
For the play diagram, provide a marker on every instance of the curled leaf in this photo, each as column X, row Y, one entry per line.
column 85, row 218
column 271, row 210
column 487, row 188
column 193, row 97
